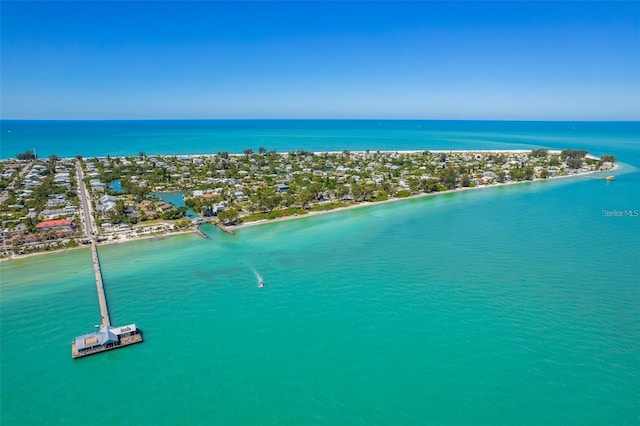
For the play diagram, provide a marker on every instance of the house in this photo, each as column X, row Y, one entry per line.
column 96, row 185
column 107, row 199
column 57, row 225
column 282, row 188
column 108, row 203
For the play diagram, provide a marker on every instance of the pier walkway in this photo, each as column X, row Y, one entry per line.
column 102, row 299
column 108, row 337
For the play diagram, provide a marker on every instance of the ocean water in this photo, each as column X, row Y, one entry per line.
column 516, row 305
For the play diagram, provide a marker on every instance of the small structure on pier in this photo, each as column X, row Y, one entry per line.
column 105, row 339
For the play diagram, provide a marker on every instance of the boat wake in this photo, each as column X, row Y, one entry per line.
column 258, row 277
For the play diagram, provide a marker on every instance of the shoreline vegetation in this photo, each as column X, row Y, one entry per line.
column 236, row 191
column 232, row 228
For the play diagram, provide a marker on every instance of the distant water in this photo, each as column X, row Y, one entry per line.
column 516, row 305
column 116, row 138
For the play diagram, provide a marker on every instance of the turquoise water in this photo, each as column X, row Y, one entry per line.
column 115, row 185
column 176, row 199
column 115, row 138
column 509, row 305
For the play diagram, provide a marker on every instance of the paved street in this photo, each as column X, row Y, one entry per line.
column 85, row 203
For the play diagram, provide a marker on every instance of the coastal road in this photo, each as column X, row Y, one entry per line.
column 85, row 203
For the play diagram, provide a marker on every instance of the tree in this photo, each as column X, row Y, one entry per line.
column 608, row 158
column 389, row 188
column 247, row 151
column 304, row 197
column 53, row 159
column 449, row 177
column 528, row 172
column 27, row 155
column 362, row 191
column 414, row 185
column 262, row 150
column 175, row 214
column 430, row 185
column 574, row 163
column 539, row 153
column 573, row 153
column 228, row 216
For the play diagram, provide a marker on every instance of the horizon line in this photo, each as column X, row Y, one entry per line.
column 322, row 119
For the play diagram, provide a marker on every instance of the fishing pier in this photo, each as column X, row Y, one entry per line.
column 107, row 337
column 102, row 299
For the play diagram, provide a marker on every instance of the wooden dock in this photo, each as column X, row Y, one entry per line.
column 102, row 299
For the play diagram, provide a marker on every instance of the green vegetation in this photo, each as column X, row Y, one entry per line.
column 539, row 153
column 27, row 155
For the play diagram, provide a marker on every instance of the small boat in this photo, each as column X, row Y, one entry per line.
column 260, row 283
column 611, row 178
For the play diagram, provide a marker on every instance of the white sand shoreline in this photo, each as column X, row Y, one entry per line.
column 101, row 243
column 371, row 151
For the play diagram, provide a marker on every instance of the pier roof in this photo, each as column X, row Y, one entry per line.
column 100, row 338
column 124, row 329
column 106, row 335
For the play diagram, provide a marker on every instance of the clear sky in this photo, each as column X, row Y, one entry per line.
column 426, row 60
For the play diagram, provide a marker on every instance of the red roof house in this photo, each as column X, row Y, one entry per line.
column 59, row 224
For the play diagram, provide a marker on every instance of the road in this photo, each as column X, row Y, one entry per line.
column 85, row 203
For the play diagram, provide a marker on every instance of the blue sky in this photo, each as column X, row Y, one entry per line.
column 426, row 60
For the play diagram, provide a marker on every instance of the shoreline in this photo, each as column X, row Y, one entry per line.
column 360, row 152
column 362, row 204
column 235, row 228
column 102, row 243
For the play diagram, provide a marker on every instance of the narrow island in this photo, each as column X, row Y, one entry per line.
column 41, row 206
